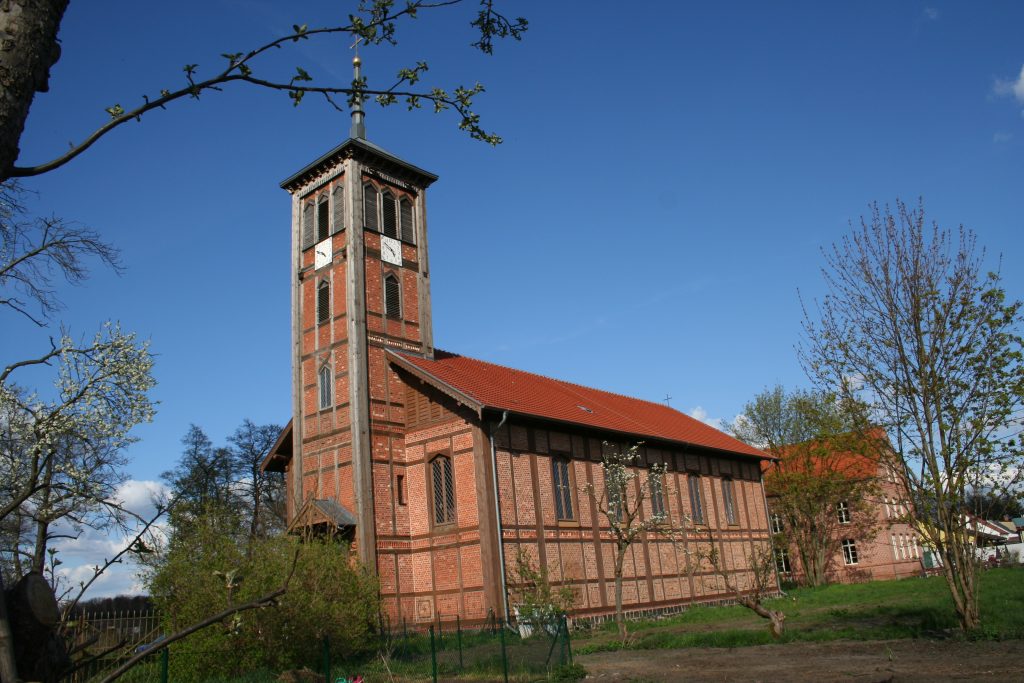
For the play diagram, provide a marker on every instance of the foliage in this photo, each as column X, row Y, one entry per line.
column 621, row 503
column 914, row 326
column 374, row 22
column 536, row 599
column 206, row 571
column 828, row 458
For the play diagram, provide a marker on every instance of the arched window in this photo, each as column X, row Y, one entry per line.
column 323, row 302
column 405, row 216
column 326, row 389
column 323, row 219
column 338, row 200
column 370, row 207
column 392, row 297
column 389, row 214
column 307, row 225
column 442, row 479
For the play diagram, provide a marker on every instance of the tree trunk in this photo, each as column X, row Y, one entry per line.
column 28, row 48
column 620, row 619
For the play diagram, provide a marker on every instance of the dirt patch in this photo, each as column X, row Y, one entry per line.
column 867, row 662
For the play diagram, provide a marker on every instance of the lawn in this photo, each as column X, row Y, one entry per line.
column 880, row 610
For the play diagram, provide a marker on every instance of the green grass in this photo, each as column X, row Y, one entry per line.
column 881, row 610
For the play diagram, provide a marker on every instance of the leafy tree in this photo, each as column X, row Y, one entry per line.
column 913, row 325
column 626, row 487
column 263, row 492
column 206, row 571
column 203, row 479
column 539, row 603
column 828, row 460
column 31, row 49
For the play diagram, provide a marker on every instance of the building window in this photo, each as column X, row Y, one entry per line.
column 696, row 504
column 390, row 215
column 323, row 219
column 775, row 523
column 844, row 512
column 307, row 225
column 338, row 202
column 325, row 387
column 370, row 207
column 782, row 561
column 657, row 488
column 849, row 551
column 323, row 302
column 443, row 480
column 392, row 297
column 405, row 217
column 400, row 488
column 729, row 500
column 563, row 488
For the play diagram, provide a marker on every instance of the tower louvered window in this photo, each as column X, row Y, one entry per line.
column 388, row 210
column 392, row 297
column 323, row 302
column 563, row 488
column 307, row 225
column 370, row 207
column 326, row 392
column 338, row 200
column 323, row 219
column 405, row 217
column 443, row 485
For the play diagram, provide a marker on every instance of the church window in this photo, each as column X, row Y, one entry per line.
column 729, row 500
column 654, row 483
column 370, row 207
column 307, row 225
column 325, row 387
column 443, row 484
column 323, row 219
column 338, row 202
column 390, row 215
column 696, row 504
column 323, row 302
column 392, row 297
column 405, row 217
column 563, row 488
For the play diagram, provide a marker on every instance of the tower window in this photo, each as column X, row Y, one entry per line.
column 370, row 207
column 390, row 216
column 405, row 216
column 323, row 219
column 338, row 200
column 696, row 505
column 323, row 302
column 563, row 488
column 443, row 484
column 325, row 387
column 392, row 297
column 307, row 225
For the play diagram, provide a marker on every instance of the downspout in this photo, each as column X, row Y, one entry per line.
column 497, row 513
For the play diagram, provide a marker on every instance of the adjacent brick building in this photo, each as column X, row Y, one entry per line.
column 441, row 467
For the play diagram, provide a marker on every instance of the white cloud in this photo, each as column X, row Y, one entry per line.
column 931, row 13
column 91, row 548
column 1001, row 137
column 1013, row 88
column 698, row 413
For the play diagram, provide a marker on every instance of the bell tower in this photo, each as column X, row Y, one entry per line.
column 360, row 285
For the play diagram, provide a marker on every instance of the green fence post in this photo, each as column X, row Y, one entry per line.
column 433, row 655
column 458, row 637
column 164, row 665
column 327, row 659
column 504, row 655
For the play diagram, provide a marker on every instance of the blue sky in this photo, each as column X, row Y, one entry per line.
column 667, row 181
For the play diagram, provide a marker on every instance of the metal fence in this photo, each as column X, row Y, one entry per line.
column 446, row 651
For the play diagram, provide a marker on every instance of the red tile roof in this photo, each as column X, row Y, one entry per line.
column 845, row 455
column 524, row 393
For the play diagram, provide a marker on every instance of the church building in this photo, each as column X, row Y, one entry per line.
column 440, row 467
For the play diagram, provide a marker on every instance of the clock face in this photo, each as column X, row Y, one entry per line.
column 391, row 250
column 323, row 254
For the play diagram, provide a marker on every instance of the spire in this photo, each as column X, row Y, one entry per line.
column 358, row 127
